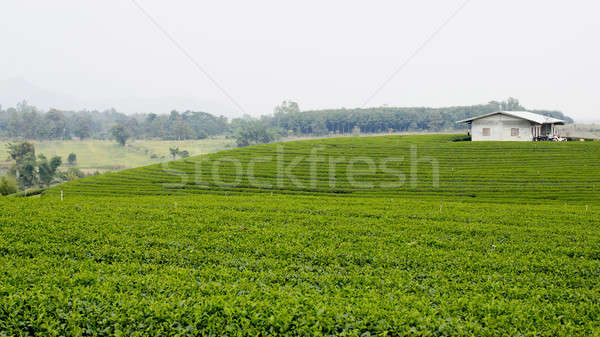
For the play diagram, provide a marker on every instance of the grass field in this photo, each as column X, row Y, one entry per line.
column 108, row 155
column 508, row 243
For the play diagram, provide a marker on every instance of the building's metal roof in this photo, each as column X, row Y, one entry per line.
column 530, row 116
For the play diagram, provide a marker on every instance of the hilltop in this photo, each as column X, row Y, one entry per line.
column 416, row 166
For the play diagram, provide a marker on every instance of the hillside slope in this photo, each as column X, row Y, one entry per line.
column 422, row 166
column 154, row 250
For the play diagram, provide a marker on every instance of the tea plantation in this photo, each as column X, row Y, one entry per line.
column 480, row 239
column 378, row 166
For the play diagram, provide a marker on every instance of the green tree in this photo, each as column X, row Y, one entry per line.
column 181, row 130
column 72, row 158
column 32, row 125
column 27, row 168
column 254, row 132
column 318, row 127
column 120, row 134
column 82, row 128
column 284, row 111
column 512, row 104
column 56, row 124
column 174, row 151
column 21, row 153
column 47, row 169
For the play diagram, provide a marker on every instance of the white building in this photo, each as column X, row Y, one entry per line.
column 511, row 126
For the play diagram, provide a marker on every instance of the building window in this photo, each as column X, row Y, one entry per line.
column 487, row 132
column 514, row 132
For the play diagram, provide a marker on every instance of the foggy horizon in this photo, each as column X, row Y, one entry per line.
column 330, row 55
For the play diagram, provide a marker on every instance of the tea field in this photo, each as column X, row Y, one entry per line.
column 195, row 248
column 423, row 167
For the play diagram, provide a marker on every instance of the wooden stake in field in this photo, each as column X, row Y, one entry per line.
column 61, row 195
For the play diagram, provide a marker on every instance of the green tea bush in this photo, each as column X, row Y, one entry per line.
column 531, row 172
column 506, row 244
column 296, row 265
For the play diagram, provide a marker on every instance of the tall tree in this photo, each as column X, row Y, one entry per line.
column 180, row 129
column 19, row 152
column 283, row 109
column 120, row 134
column 47, row 169
column 27, row 170
column 56, row 124
column 82, row 128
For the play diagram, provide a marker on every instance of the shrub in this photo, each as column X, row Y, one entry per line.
column 72, row 159
column 72, row 174
column 8, row 186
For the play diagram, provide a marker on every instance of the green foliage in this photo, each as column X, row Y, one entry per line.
column 120, row 133
column 47, row 169
column 385, row 119
column 8, row 185
column 253, row 132
column 529, row 172
column 27, row 122
column 260, row 265
column 71, row 174
column 72, row 158
column 23, row 154
column 19, row 150
column 176, row 152
column 27, row 171
column 31, row 192
column 82, row 128
column 283, row 109
column 487, row 253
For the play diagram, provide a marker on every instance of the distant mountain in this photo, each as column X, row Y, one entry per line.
column 15, row 90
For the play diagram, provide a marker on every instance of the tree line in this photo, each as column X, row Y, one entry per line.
column 288, row 117
column 25, row 121
column 289, row 120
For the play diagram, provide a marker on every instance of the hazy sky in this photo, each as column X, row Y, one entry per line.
column 323, row 54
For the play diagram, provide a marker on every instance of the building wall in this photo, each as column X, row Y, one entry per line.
column 500, row 128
